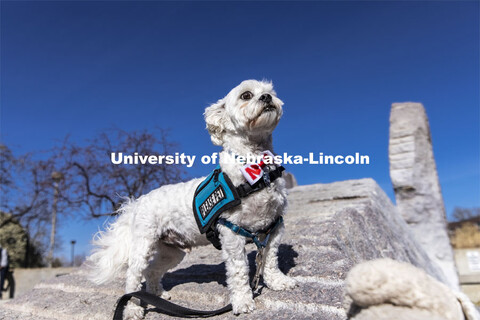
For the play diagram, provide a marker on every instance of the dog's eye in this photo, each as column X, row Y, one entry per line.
column 247, row 95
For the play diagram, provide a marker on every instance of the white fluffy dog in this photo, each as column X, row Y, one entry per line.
column 153, row 232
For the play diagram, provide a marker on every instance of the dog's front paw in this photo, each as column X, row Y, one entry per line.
column 280, row 282
column 133, row 312
column 242, row 303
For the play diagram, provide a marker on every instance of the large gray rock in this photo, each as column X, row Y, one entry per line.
column 330, row 228
column 417, row 189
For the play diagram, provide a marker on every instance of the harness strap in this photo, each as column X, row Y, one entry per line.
column 213, row 237
column 165, row 307
column 255, row 237
column 251, row 235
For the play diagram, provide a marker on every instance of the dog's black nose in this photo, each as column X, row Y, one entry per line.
column 265, row 98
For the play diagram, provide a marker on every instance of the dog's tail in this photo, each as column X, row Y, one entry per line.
column 112, row 247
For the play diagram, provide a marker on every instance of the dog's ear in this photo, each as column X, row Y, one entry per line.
column 215, row 119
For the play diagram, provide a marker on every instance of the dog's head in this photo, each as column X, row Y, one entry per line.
column 251, row 109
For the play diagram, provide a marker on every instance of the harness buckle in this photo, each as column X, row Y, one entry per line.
column 261, row 243
column 266, row 176
column 259, row 261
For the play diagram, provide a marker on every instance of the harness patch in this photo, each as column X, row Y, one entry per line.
column 212, row 200
column 214, row 195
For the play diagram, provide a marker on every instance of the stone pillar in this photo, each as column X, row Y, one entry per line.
column 290, row 180
column 415, row 182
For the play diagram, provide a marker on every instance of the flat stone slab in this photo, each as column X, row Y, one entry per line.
column 330, row 228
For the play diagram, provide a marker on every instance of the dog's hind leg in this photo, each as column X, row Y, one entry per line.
column 142, row 251
column 165, row 258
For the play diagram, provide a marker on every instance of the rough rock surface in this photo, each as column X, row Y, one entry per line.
column 330, row 228
column 417, row 189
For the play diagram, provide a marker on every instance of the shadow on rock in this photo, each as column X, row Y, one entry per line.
column 206, row 273
column 198, row 273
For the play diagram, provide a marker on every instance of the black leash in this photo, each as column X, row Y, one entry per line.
column 165, row 307
column 172, row 309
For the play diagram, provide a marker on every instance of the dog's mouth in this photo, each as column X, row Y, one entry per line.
column 269, row 108
column 267, row 117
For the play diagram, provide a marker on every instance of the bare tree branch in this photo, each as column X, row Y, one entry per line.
column 461, row 214
column 84, row 174
column 102, row 182
column 92, row 186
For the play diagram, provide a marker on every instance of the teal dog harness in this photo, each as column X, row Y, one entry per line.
column 216, row 194
column 213, row 196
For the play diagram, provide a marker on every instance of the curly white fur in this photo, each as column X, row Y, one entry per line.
column 148, row 237
column 389, row 289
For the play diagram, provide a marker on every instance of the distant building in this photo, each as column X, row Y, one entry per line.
column 465, row 233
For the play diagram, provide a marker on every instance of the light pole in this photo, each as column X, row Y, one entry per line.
column 57, row 177
column 73, row 250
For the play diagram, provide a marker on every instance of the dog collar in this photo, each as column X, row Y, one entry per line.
column 253, row 172
column 243, row 159
column 246, row 189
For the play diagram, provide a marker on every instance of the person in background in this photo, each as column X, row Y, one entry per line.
column 3, row 268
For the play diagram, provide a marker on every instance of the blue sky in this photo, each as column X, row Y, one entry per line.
column 80, row 67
